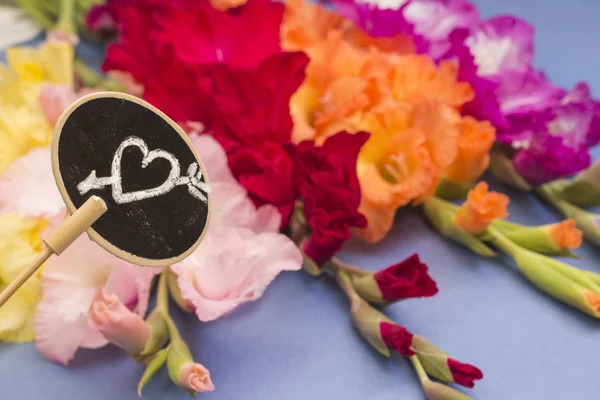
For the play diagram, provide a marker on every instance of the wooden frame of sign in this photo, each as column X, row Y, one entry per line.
column 76, row 141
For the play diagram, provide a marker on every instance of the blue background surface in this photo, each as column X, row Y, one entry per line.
column 297, row 342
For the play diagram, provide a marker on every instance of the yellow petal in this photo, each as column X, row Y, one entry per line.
column 17, row 314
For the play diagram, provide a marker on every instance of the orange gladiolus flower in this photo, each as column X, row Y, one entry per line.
column 403, row 160
column 474, row 144
column 306, row 24
column 481, row 209
column 417, row 78
column 565, row 234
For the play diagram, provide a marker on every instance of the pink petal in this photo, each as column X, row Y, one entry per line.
column 56, row 98
column 523, row 92
column 233, row 266
column 436, row 19
column 500, row 44
column 213, row 157
column 27, row 186
column 233, row 208
column 70, row 282
column 58, row 338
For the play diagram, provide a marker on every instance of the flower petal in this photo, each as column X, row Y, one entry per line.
column 27, row 186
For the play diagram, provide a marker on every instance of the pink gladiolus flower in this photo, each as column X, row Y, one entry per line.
column 118, row 324
column 232, row 266
column 70, row 283
column 196, row 377
column 56, row 98
column 27, row 186
column 242, row 251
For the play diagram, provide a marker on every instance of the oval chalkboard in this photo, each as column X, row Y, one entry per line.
column 143, row 166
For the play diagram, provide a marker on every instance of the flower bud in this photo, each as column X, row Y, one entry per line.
column 396, row 337
column 502, row 168
column 568, row 284
column 118, row 324
column 554, row 239
column 406, row 279
column 441, row 366
column 584, row 190
column 158, row 338
column 441, row 214
column 184, row 372
column 481, row 209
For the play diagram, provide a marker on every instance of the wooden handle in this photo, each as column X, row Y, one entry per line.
column 58, row 240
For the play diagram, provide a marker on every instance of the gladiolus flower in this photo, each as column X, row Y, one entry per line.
column 306, row 24
column 118, row 324
column 22, row 122
column 403, row 160
column 481, row 209
column 70, row 283
column 19, row 244
column 56, row 98
column 27, row 186
column 233, row 266
column 403, row 280
column 331, row 192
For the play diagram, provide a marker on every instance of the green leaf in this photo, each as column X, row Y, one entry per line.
column 153, row 366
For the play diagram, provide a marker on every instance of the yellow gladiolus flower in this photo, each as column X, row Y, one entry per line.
column 22, row 121
column 19, row 244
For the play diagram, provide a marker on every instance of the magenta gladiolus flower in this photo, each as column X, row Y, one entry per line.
column 379, row 22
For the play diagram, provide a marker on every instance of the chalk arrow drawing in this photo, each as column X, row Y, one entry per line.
column 193, row 180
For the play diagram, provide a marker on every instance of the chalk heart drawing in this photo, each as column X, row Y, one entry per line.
column 193, row 179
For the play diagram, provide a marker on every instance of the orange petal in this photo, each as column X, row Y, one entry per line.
column 475, row 141
column 480, row 209
column 565, row 234
column 380, row 220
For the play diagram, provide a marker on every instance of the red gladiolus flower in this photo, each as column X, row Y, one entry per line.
column 250, row 107
column 464, row 374
column 240, row 38
column 397, row 337
column 331, row 192
column 408, row 278
column 267, row 173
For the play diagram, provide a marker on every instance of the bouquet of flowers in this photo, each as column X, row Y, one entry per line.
column 316, row 122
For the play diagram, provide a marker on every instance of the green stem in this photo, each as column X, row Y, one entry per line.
column 162, row 297
column 162, row 305
column 423, row 377
column 501, row 242
column 34, row 12
column 93, row 79
column 345, row 283
column 337, row 263
column 65, row 16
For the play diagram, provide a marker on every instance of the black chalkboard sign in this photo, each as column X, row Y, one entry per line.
column 143, row 166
